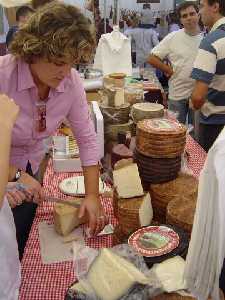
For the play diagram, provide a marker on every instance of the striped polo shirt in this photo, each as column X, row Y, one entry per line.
column 209, row 67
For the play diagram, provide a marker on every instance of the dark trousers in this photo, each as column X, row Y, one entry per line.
column 23, row 217
column 208, row 134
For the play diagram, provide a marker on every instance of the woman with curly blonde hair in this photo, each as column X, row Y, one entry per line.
column 38, row 75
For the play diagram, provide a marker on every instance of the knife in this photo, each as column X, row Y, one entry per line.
column 65, row 201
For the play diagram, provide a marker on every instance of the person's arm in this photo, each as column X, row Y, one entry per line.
column 157, row 63
column 199, row 94
column 203, row 72
column 8, row 113
column 84, row 132
column 160, row 52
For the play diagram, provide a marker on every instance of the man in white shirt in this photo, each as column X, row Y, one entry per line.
column 180, row 48
column 9, row 256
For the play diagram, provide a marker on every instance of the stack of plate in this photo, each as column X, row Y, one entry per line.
column 115, row 115
column 162, row 194
column 157, row 170
column 181, row 211
column 141, row 111
column 160, row 138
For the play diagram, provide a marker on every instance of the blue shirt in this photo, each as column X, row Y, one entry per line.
column 209, row 67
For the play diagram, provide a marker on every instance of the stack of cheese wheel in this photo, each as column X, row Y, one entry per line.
column 146, row 110
column 160, row 138
column 181, row 211
column 120, row 152
column 116, row 114
column 112, row 130
column 162, row 194
column 157, row 170
column 159, row 145
column 132, row 213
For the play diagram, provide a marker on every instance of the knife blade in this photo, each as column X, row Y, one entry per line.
column 75, row 204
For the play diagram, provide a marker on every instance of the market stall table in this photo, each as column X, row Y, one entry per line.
column 48, row 282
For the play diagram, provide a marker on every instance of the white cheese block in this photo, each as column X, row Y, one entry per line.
column 83, row 287
column 119, row 97
column 66, row 218
column 111, row 276
column 171, row 274
column 127, row 182
column 146, row 211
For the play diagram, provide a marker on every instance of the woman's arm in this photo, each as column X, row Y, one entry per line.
column 8, row 113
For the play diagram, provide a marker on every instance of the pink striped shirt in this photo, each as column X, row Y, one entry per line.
column 67, row 100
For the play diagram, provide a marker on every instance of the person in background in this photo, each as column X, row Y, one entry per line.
column 132, row 23
column 38, row 75
column 4, row 28
column 180, row 48
column 209, row 73
column 147, row 19
column 22, row 14
column 9, row 257
column 173, row 23
column 145, row 39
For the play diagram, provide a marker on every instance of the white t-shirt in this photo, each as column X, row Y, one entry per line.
column 181, row 50
column 9, row 256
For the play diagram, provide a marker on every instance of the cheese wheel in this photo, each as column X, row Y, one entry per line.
column 66, row 218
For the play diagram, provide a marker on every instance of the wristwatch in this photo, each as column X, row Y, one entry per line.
column 17, row 175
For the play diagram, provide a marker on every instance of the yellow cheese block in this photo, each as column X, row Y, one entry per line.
column 66, row 218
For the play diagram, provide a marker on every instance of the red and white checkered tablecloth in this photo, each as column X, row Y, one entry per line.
column 50, row 282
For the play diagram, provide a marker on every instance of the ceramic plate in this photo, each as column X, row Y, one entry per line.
column 154, row 241
column 74, row 186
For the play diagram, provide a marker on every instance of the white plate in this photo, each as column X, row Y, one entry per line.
column 74, row 186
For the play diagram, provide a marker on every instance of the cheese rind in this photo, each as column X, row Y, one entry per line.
column 66, row 218
column 146, row 211
column 111, row 276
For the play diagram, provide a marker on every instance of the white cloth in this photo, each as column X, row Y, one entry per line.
column 6, row 29
column 9, row 257
column 145, row 40
column 113, row 54
column 181, row 50
column 207, row 246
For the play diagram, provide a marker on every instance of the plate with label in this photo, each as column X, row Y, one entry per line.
column 154, row 241
column 74, row 186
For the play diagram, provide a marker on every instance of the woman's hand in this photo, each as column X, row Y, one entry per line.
column 33, row 188
column 96, row 217
column 14, row 196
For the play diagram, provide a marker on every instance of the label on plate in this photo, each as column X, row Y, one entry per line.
column 154, row 240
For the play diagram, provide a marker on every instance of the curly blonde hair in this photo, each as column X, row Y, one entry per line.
column 56, row 32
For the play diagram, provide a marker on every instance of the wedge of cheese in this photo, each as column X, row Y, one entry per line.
column 66, row 218
column 146, row 211
column 127, row 182
column 171, row 274
column 111, row 276
column 82, row 287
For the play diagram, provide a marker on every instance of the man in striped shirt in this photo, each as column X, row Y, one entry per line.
column 209, row 72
